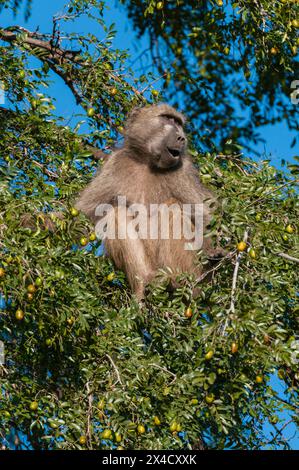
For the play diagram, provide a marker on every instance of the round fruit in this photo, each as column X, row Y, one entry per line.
column 91, row 112
column 38, row 281
column 273, row 50
column 226, row 50
column 82, row 440
column 22, row 74
column 140, row 429
column 259, row 379
column 113, row 91
column 289, row 229
column 188, row 313
column 70, row 321
column 258, row 217
column 30, row 297
column 285, row 237
column 173, row 426
column 252, row 253
column 31, row 288
column 74, row 212
column 178, row 427
column 234, row 348
column 83, row 241
column 118, row 437
column 111, row 276
column 7, row 414
column 120, row 448
column 2, row 272
column 155, row 93
column 295, row 23
column 92, row 237
column 194, row 401
column 157, row 421
column 209, row 355
column 220, row 3
column 159, row 5
column 120, row 129
column 19, row 314
column 107, row 434
column 210, row 398
column 48, row 342
column 33, row 405
column 241, row 246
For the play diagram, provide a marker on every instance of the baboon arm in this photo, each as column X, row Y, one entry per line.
column 101, row 190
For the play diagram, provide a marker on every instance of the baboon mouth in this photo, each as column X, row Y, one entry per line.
column 174, row 152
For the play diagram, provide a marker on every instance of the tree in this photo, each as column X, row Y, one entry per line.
column 85, row 365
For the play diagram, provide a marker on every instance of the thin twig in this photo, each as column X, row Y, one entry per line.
column 234, row 283
column 116, row 370
column 288, row 257
column 89, row 415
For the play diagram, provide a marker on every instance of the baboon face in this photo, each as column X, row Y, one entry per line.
column 156, row 134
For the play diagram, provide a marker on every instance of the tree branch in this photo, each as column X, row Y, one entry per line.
column 288, row 257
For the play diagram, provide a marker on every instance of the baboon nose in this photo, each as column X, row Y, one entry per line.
column 181, row 139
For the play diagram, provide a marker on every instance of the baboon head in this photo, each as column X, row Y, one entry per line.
column 155, row 135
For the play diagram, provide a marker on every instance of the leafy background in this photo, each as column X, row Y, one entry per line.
column 85, row 355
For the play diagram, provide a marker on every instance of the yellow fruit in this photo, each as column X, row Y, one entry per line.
column 210, row 398
column 92, row 237
column 259, row 379
column 258, row 217
column 48, row 342
column 82, row 440
column 22, row 74
column 120, row 448
column 178, row 427
column 83, row 241
column 160, row 5
column 107, row 434
column 91, row 112
column 30, row 297
column 295, row 23
column 209, row 355
column 70, row 321
column 31, row 288
column 140, row 429
column 33, row 405
column 173, row 426
column 226, row 50
column 188, row 313
column 74, row 212
column 194, row 401
column 19, row 314
column 252, row 253
column 220, row 3
column 2, row 272
column 113, row 91
column 118, row 437
column 234, row 348
column 289, row 229
column 157, row 422
column 155, row 93
column 273, row 50
column 241, row 246
column 285, row 237
column 111, row 276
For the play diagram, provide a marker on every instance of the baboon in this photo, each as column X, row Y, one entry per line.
column 152, row 167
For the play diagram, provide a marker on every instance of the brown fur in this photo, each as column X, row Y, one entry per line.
column 133, row 171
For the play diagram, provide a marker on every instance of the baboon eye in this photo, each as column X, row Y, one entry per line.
column 171, row 119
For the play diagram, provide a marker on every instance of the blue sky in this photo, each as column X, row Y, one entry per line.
column 278, row 138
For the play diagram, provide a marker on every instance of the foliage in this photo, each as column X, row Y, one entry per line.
column 229, row 63
column 85, row 365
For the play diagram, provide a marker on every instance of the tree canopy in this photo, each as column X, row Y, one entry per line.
column 86, row 367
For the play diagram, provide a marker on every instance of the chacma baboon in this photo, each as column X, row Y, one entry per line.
column 151, row 168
